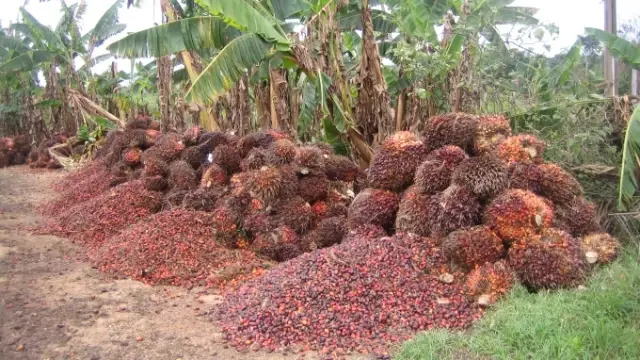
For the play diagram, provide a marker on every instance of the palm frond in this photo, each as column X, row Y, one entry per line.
column 106, row 25
column 26, row 61
column 621, row 48
column 630, row 162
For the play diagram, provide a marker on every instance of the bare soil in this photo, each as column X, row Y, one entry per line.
column 53, row 305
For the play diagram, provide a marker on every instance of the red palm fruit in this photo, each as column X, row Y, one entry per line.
column 488, row 282
column 225, row 222
column 413, row 213
column 558, row 185
column 492, row 130
column 454, row 208
column 577, row 217
column 340, row 168
column 255, row 159
column 521, row 148
column 132, row 157
column 434, row 174
column 182, row 176
column 295, row 213
column 457, row 129
column 228, row 158
column 525, row 176
column 241, row 183
column 330, row 231
column 309, row 161
column 485, row 175
column 549, row 260
column 320, row 208
column 394, row 166
column 167, row 149
column 154, row 166
column 272, row 183
column 154, row 125
column 373, row 206
column 214, row 176
column 473, row 247
column 200, row 199
column 367, row 231
column 281, row 152
column 313, row 188
column 600, row 248
column 518, row 214
column 190, row 136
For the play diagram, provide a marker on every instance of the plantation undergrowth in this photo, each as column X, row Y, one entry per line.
column 600, row 321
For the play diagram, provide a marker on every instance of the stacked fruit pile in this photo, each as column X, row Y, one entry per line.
column 14, row 151
column 446, row 225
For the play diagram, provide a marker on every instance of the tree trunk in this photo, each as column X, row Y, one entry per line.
column 240, row 107
column 164, row 89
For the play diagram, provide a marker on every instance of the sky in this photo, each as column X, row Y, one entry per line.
column 571, row 17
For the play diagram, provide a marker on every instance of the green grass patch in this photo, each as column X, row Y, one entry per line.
column 600, row 322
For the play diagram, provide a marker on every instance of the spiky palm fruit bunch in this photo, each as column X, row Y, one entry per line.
column 600, row 248
column 132, row 157
column 525, row 176
column 240, row 183
column 394, row 166
column 153, row 166
column 256, row 223
column 309, row 161
column 518, row 214
column 473, row 247
column 196, row 156
column 262, row 139
column 549, row 260
column 215, row 138
column 182, row 176
column 155, row 183
column 190, row 136
column 492, row 130
column 281, row 152
column 117, row 181
column 454, row 208
column 435, row 173
column 324, row 148
column 167, row 149
column 225, row 222
column 457, row 129
column 295, row 213
column 277, row 245
column 330, row 231
column 521, row 148
column 200, row 200
column 272, row 183
column 324, row 210
column 340, row 168
column 228, row 158
column 487, row 283
column 558, row 185
column 577, row 217
column 255, row 159
column 373, row 206
column 485, row 175
column 119, row 169
column 413, row 212
column 367, row 231
column 213, row 177
column 313, row 188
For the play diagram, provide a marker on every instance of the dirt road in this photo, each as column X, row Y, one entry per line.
column 53, row 305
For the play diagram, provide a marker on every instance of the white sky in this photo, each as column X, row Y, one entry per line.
column 571, row 16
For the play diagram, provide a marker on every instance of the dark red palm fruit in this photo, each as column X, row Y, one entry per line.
column 558, row 185
column 182, row 176
column 240, row 183
column 137, row 123
column 457, row 129
column 577, row 217
column 340, row 168
column 117, row 181
column 492, row 130
column 213, row 177
column 226, row 220
column 434, row 174
column 154, row 125
column 485, row 175
column 280, row 245
column 168, row 148
column 487, row 283
column 394, row 165
column 473, row 247
column 325, row 149
column 132, row 157
column 313, row 188
column 330, row 231
column 518, row 214
column 200, row 199
column 190, row 136
column 521, row 148
column 373, row 206
column 309, row 161
column 196, row 156
column 552, row 259
column 154, row 167
column 228, row 158
column 367, row 231
column 255, row 159
column 600, row 248
column 294, row 213
column 413, row 213
column 454, row 208
column 215, row 138
column 267, row 184
column 525, row 176
column 281, row 152
column 173, row 199
column 155, row 183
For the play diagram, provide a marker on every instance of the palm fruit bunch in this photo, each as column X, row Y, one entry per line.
column 393, row 167
column 473, row 247
column 413, row 214
column 600, row 248
column 434, row 174
column 373, row 206
column 552, row 259
column 577, row 217
column 14, row 151
column 557, row 185
column 454, row 208
column 525, row 176
column 485, row 175
column 492, row 130
column 40, row 157
column 521, row 148
column 488, row 282
column 457, row 129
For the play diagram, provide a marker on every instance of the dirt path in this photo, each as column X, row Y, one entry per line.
column 55, row 306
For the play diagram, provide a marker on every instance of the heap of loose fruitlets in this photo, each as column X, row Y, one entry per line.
column 445, row 224
column 14, row 151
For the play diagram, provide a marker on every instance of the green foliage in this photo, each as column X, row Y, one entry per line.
column 601, row 322
column 619, row 47
column 630, row 162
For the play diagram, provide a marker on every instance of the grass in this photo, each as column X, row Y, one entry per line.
column 599, row 322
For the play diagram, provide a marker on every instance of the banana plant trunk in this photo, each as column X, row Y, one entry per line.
column 164, row 89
